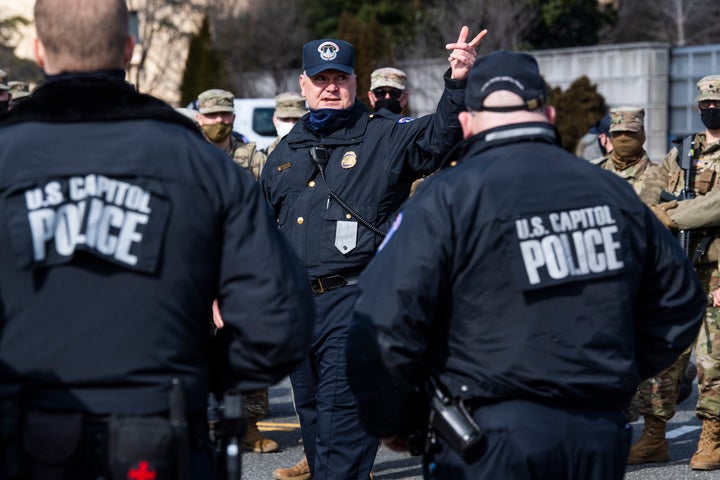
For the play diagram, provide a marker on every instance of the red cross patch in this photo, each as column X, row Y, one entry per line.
column 142, row 472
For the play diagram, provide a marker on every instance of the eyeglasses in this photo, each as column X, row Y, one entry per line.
column 709, row 103
column 382, row 92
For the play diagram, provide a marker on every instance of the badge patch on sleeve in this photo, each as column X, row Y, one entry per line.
column 565, row 246
column 119, row 221
column 393, row 228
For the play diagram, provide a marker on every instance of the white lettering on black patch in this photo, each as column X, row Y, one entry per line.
column 565, row 246
column 113, row 219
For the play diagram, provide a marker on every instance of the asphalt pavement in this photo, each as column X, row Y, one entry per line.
column 282, row 426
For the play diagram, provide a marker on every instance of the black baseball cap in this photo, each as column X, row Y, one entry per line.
column 328, row 54
column 503, row 70
column 601, row 126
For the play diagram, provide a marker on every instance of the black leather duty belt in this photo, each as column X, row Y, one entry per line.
column 331, row 282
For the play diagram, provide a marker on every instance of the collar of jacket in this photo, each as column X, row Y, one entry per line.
column 91, row 98
column 352, row 133
column 505, row 135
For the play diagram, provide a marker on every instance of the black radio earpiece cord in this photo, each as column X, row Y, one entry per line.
column 319, row 156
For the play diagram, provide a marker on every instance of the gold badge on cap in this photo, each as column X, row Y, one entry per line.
column 349, row 160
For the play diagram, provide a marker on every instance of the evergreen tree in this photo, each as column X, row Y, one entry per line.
column 578, row 107
column 570, row 23
column 203, row 68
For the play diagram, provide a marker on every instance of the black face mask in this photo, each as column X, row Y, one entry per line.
column 4, row 106
column 710, row 118
column 390, row 103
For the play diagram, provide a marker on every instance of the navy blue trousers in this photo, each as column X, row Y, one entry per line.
column 531, row 441
column 336, row 446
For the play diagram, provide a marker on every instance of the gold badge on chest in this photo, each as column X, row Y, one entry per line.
column 348, row 160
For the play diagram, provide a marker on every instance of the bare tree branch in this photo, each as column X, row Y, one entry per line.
column 266, row 36
column 165, row 28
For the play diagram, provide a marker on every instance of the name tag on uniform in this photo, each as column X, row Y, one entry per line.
column 346, row 236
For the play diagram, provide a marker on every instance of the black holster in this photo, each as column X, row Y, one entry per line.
column 448, row 418
column 143, row 444
column 71, row 446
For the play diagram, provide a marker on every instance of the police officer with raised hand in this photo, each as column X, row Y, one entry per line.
column 332, row 183
column 534, row 291
column 115, row 245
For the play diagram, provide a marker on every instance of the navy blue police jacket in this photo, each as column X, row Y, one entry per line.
column 520, row 272
column 119, row 225
column 373, row 161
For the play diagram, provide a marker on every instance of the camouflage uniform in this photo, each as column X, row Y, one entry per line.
column 701, row 215
column 636, row 174
column 244, row 154
column 3, row 87
column 637, row 167
column 247, row 156
column 655, row 396
column 19, row 91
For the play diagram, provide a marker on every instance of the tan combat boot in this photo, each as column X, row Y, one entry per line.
column 299, row 471
column 253, row 441
column 652, row 446
column 707, row 456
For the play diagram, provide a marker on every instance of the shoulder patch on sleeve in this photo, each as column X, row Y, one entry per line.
column 395, row 225
column 405, row 120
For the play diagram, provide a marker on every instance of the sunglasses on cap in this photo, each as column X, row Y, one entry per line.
column 382, row 92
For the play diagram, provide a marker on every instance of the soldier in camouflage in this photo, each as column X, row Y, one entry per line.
column 289, row 109
column 628, row 159
column 388, row 90
column 216, row 116
column 4, row 92
column 19, row 91
column 700, row 216
column 655, row 398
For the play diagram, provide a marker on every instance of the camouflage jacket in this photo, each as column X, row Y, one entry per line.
column 272, row 146
column 247, row 156
column 702, row 211
column 636, row 174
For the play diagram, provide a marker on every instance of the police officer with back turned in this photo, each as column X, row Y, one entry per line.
column 332, row 183
column 527, row 291
column 115, row 242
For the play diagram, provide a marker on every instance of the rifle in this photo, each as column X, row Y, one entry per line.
column 226, row 431
column 686, row 159
column 178, row 421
